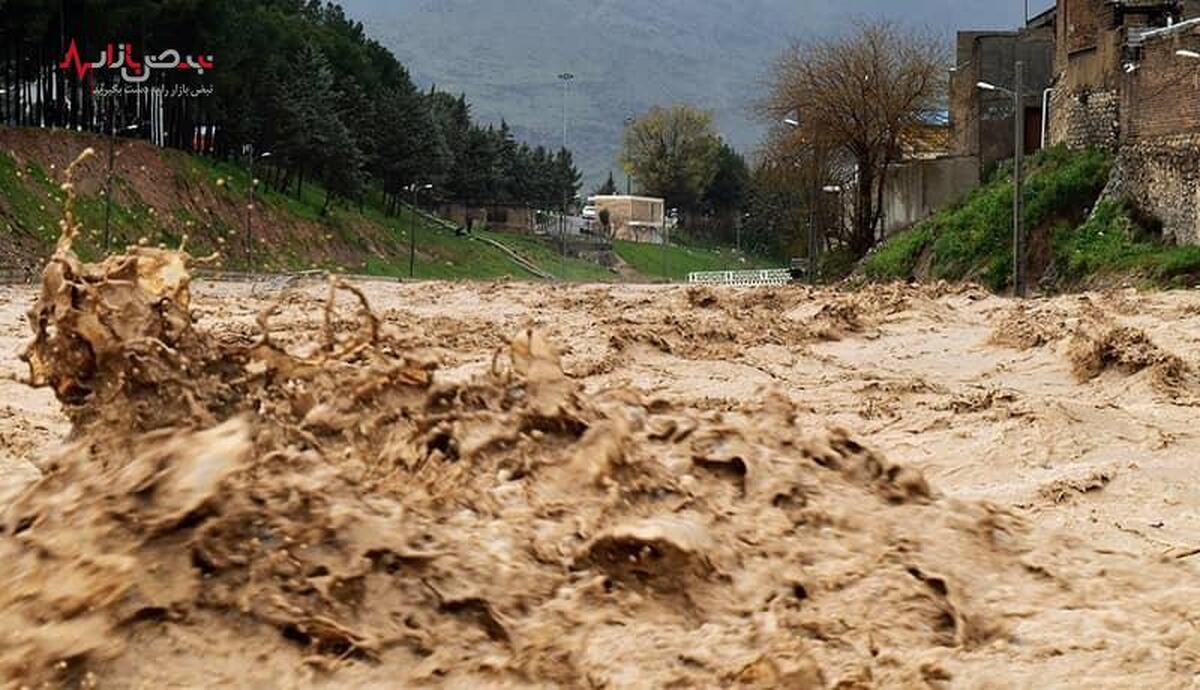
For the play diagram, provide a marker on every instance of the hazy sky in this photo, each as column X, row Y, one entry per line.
column 629, row 55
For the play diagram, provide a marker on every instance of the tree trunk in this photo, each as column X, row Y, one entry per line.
column 864, row 213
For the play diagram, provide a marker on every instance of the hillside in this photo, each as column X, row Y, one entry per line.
column 1076, row 238
column 626, row 55
column 160, row 196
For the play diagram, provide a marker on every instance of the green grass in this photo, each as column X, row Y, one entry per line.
column 1110, row 242
column 545, row 255
column 675, row 262
column 973, row 239
column 32, row 201
column 897, row 258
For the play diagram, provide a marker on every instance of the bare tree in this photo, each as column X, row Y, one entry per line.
column 862, row 97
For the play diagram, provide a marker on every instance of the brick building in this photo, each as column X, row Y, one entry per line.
column 1121, row 85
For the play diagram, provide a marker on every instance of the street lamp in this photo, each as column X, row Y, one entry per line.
column 629, row 178
column 1018, row 178
column 250, row 207
column 566, row 78
column 794, row 123
column 412, row 230
column 108, row 178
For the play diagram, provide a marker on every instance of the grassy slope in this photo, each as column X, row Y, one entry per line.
column 973, row 239
column 440, row 254
column 206, row 200
column 676, row 261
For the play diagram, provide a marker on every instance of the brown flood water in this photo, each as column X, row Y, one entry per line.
column 518, row 485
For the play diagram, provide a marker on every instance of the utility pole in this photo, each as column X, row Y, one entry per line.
column 112, row 136
column 1019, row 250
column 666, row 245
column 628, row 178
column 412, row 230
column 566, row 78
column 112, row 155
column 1019, row 268
column 813, row 215
column 250, row 205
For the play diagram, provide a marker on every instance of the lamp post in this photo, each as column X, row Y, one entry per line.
column 1018, row 178
column 250, row 205
column 566, row 78
column 628, row 178
column 112, row 138
column 811, row 241
column 412, row 230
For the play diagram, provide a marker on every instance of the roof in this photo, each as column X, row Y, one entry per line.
column 1044, row 19
column 1146, row 4
column 623, row 197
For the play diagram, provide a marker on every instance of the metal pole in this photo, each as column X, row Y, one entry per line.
column 250, row 211
column 1018, row 183
column 666, row 242
column 812, row 215
column 112, row 136
column 412, row 236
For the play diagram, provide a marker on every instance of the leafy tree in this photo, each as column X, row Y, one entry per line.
column 673, row 154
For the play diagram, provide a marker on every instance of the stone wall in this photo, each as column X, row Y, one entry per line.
column 1158, row 166
column 1161, row 176
column 1085, row 118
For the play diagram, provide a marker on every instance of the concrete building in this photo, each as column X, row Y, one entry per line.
column 982, row 121
column 636, row 218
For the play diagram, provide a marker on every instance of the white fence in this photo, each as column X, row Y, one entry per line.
column 760, row 278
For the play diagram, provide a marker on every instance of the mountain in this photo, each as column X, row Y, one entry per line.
column 627, row 55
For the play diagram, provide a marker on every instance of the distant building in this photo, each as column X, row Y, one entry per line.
column 636, row 218
column 982, row 121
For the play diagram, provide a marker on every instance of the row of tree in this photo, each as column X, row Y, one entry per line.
column 299, row 79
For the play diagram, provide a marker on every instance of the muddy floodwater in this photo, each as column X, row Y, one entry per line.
column 511, row 485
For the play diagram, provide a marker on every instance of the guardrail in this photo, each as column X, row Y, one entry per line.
column 759, row 278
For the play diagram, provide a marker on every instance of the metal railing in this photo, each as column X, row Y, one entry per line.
column 759, row 278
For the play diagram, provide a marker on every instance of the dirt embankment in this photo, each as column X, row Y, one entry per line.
column 627, row 487
column 163, row 196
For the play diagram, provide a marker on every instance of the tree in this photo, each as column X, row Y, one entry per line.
column 609, row 188
column 673, row 154
column 726, row 195
column 566, row 177
column 864, row 95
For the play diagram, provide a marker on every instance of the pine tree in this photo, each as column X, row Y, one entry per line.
column 609, row 188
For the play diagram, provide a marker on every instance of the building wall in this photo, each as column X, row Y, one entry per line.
column 918, row 189
column 517, row 218
column 982, row 120
column 639, row 219
column 1084, row 118
column 1085, row 104
column 1158, row 167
